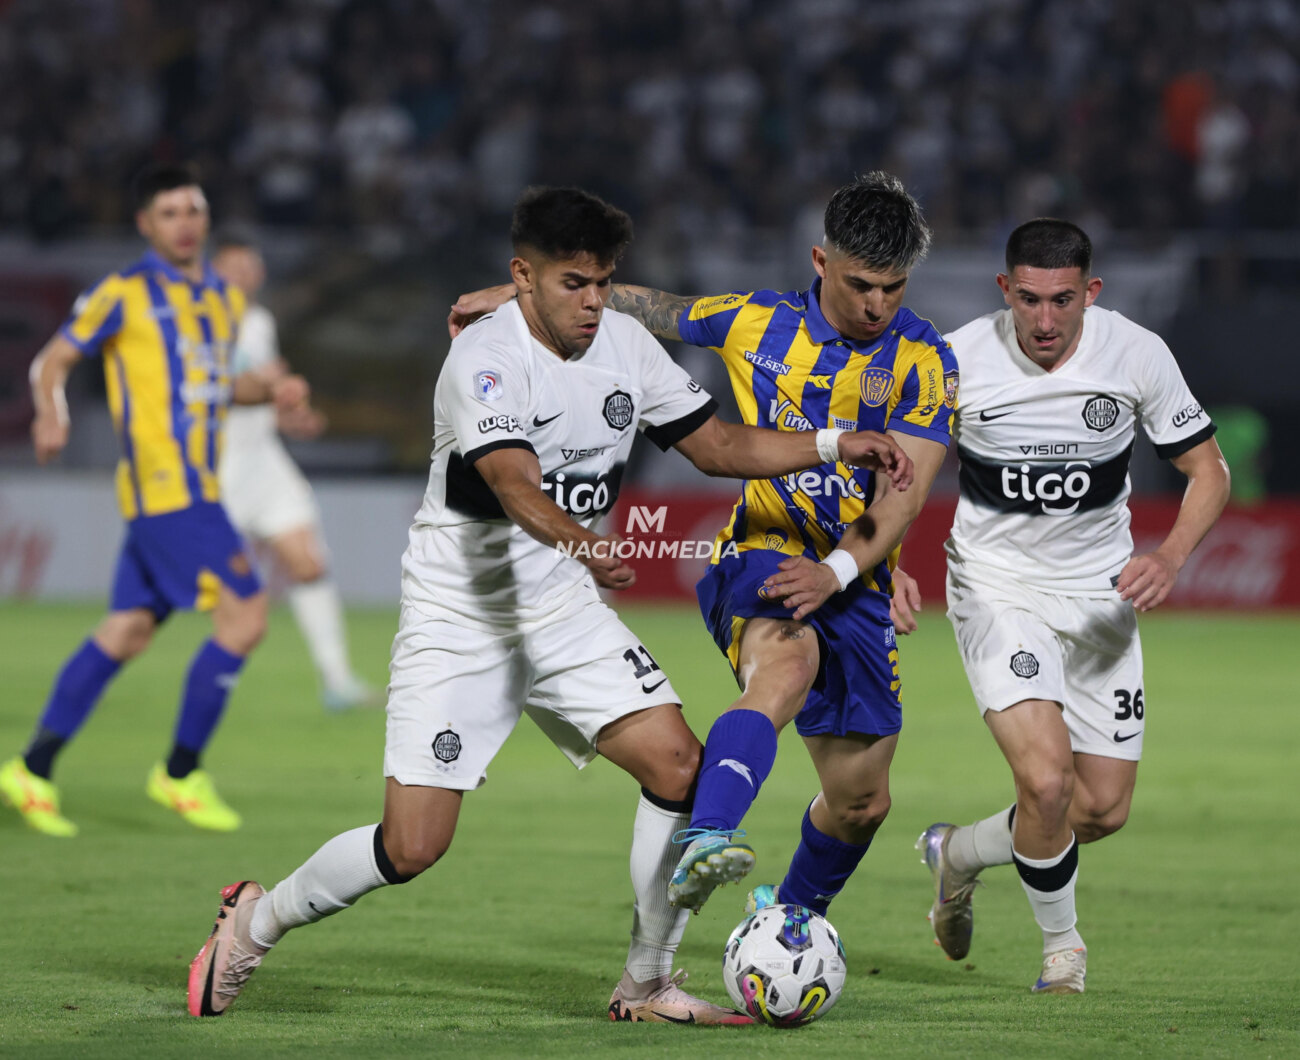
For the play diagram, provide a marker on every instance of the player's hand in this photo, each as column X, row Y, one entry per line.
column 877, row 452
column 49, row 436
column 802, row 584
column 1147, row 580
column 905, row 602
column 609, row 571
column 302, row 423
column 290, row 393
column 469, row 307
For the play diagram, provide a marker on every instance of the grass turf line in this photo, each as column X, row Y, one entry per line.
column 511, row 945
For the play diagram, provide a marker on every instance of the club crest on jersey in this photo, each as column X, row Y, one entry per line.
column 876, row 384
column 1023, row 664
column 950, row 389
column 446, row 746
column 1100, row 412
column 618, row 410
column 775, row 538
column 487, row 385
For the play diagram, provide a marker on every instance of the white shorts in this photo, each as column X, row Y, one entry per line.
column 456, row 692
column 264, row 493
column 1083, row 652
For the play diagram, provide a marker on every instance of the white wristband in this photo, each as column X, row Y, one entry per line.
column 844, row 566
column 828, row 444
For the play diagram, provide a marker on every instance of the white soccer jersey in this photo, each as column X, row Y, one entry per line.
column 1045, row 455
column 501, row 388
column 257, row 346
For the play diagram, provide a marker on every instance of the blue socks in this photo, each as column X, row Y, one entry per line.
column 207, row 686
column 820, row 868
column 738, row 756
column 76, row 691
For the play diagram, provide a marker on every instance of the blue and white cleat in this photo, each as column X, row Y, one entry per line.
column 712, row 858
column 951, row 915
column 1063, row 972
column 761, row 897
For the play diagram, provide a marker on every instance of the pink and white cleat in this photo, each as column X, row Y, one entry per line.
column 666, row 1002
column 222, row 967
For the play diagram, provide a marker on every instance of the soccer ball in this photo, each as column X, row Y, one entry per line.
column 784, row 965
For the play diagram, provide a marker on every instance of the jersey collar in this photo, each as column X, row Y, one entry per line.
column 820, row 329
column 155, row 261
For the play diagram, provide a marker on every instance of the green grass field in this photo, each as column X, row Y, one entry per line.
column 510, row 946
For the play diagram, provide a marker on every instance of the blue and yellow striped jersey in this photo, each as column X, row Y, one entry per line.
column 166, row 345
column 791, row 370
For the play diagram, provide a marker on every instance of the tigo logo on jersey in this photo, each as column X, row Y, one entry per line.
column 487, row 384
column 1100, row 412
column 876, row 385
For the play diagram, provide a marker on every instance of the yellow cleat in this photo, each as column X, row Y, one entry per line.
column 36, row 798
column 194, row 797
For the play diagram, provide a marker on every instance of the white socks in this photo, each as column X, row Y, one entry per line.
column 984, row 843
column 1049, row 884
column 319, row 612
column 657, row 927
column 333, row 878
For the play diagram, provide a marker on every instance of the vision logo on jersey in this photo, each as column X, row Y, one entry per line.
column 1100, row 412
column 487, row 385
column 1023, row 664
column 876, row 384
column 618, row 410
column 1188, row 414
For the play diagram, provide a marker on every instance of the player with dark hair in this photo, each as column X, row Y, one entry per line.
column 164, row 327
column 535, row 412
column 1042, row 583
column 268, row 498
column 844, row 354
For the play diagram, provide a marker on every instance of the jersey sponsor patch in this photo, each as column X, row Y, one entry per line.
column 1100, row 412
column 950, row 387
column 487, row 385
column 618, row 410
column 1040, row 488
column 1191, row 412
column 508, row 424
column 1024, row 664
column 876, row 383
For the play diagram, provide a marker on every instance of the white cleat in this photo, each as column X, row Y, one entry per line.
column 1063, row 972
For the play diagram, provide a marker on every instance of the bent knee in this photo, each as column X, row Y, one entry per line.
column 1048, row 789
column 1093, row 825
column 411, row 856
column 857, row 821
column 672, row 777
column 306, row 569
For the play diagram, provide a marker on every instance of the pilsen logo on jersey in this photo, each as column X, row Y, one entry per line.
column 618, row 410
column 446, row 746
column 1100, row 412
column 876, row 385
column 1023, row 664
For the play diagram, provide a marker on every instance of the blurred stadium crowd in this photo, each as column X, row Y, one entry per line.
column 424, row 117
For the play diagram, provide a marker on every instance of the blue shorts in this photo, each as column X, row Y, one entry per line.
column 179, row 560
column 857, row 686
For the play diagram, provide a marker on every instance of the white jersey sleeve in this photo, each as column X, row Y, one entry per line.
column 257, row 344
column 485, row 397
column 675, row 405
column 1172, row 418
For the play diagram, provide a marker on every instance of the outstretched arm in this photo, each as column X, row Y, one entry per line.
column 1147, row 580
column 658, row 311
column 735, row 450
column 48, row 375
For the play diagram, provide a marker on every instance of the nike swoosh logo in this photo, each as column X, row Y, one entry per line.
column 1121, row 739
column 539, row 422
column 651, row 688
column 673, row 1019
column 986, row 417
column 313, row 907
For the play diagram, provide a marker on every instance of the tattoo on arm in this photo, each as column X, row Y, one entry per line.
column 659, row 311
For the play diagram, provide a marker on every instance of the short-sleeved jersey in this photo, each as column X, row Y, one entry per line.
column 165, row 344
column 250, row 426
column 500, row 388
column 792, row 371
column 1045, row 455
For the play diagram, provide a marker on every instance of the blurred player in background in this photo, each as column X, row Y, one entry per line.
column 535, row 413
column 843, row 355
column 164, row 328
column 1042, row 583
column 266, row 495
